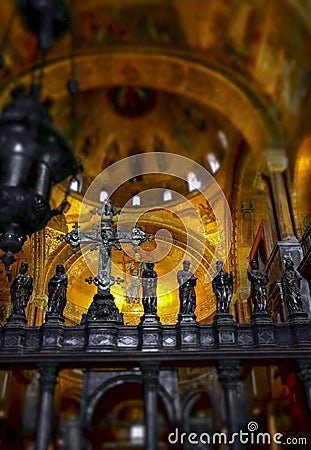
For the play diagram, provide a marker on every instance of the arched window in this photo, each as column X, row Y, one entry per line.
column 193, row 182
column 223, row 138
column 76, row 183
column 167, row 195
column 213, row 162
column 103, row 195
column 136, row 200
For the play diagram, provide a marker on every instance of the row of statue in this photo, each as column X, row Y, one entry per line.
column 222, row 284
column 22, row 287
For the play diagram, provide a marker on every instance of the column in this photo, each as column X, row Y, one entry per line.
column 38, row 301
column 71, row 434
column 35, row 309
column 304, row 375
column 48, row 376
column 235, row 400
column 150, row 376
column 277, row 164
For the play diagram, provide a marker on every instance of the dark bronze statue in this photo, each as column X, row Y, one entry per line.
column 149, row 284
column 187, row 282
column 291, row 287
column 222, row 286
column 57, row 289
column 21, row 290
column 259, row 281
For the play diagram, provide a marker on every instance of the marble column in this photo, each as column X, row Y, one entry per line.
column 48, row 377
column 236, row 401
column 277, row 164
column 150, row 376
column 304, row 375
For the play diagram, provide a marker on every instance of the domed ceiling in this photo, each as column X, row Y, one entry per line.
column 114, row 123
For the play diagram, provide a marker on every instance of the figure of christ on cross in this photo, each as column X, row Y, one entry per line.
column 105, row 237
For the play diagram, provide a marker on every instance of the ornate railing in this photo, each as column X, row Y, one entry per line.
column 98, row 343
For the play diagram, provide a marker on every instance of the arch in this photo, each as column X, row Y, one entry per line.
column 73, row 393
column 191, row 396
column 178, row 73
column 100, row 391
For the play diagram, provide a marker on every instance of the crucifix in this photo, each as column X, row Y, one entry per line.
column 105, row 237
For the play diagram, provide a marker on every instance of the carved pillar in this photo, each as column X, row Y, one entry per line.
column 38, row 302
column 277, row 163
column 304, row 375
column 150, row 376
column 281, row 205
column 235, row 399
column 48, row 376
column 39, row 259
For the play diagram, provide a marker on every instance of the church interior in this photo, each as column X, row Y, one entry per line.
column 196, row 93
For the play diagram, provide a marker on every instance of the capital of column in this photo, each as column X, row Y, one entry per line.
column 48, row 375
column 229, row 372
column 304, row 371
column 150, row 373
column 39, row 300
column 276, row 159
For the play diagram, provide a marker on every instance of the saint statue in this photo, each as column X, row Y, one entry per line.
column 57, row 289
column 291, row 287
column 21, row 290
column 187, row 282
column 259, row 281
column 132, row 291
column 222, row 286
column 149, row 284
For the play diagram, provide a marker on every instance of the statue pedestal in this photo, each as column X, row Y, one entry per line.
column 56, row 319
column 186, row 318
column 301, row 328
column 225, row 330
column 298, row 316
column 150, row 333
column 14, row 335
column 188, row 336
column 223, row 318
column 104, row 310
column 261, row 318
column 263, row 329
column 52, row 332
column 149, row 319
column 17, row 318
